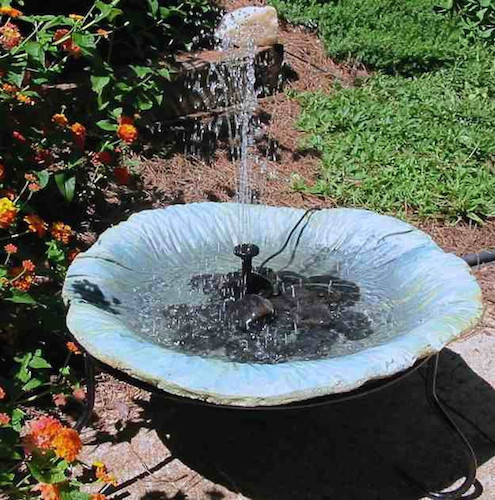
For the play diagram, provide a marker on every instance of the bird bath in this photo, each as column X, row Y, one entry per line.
column 257, row 307
column 354, row 296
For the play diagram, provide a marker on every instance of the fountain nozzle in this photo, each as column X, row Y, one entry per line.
column 247, row 251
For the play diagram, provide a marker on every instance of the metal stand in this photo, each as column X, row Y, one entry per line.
column 431, row 379
column 431, row 382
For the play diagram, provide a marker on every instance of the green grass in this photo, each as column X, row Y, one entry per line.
column 419, row 135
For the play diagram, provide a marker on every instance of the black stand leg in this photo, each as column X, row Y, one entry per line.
column 470, row 480
column 90, row 393
column 431, row 381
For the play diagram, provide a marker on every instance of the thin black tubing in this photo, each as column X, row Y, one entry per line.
column 296, row 246
column 284, row 246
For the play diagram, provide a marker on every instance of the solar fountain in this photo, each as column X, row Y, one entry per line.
column 246, row 306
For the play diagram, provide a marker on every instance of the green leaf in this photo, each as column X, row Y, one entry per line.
column 33, row 49
column 17, row 419
column 45, row 472
column 6, row 478
column 141, row 71
column 19, row 297
column 153, row 5
column 74, row 495
column 98, row 83
column 55, row 252
column 43, row 178
column 39, row 363
column 107, row 125
column 32, row 384
column 66, row 184
column 65, row 371
column 164, row 72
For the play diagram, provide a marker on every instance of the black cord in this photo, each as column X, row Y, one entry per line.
column 293, row 230
column 296, row 246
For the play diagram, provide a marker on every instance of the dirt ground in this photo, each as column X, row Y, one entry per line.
column 163, row 450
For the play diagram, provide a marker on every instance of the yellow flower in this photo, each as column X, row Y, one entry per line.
column 8, row 212
column 67, row 444
column 76, row 17
column 24, row 99
column 10, row 11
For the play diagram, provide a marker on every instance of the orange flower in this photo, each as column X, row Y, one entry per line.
column 10, row 248
column 28, row 265
column 98, row 496
column 10, row 36
column 67, row 444
column 103, row 475
column 8, row 212
column 61, row 232
column 76, row 17
column 2, row 393
column 128, row 133
column 21, row 278
column 36, row 224
column 2, row 172
column 10, row 89
column 30, row 177
column 24, row 99
column 72, row 347
column 48, row 491
column 79, row 132
column 34, row 187
column 122, row 175
column 41, row 433
column 10, row 11
column 72, row 254
column 102, row 32
column 4, row 419
column 60, row 119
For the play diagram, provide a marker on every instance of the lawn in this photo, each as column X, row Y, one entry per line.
column 417, row 138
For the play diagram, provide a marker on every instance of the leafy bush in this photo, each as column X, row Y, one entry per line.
column 40, row 453
column 477, row 17
column 395, row 37
column 76, row 83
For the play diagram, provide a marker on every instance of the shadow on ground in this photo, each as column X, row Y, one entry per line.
column 351, row 450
